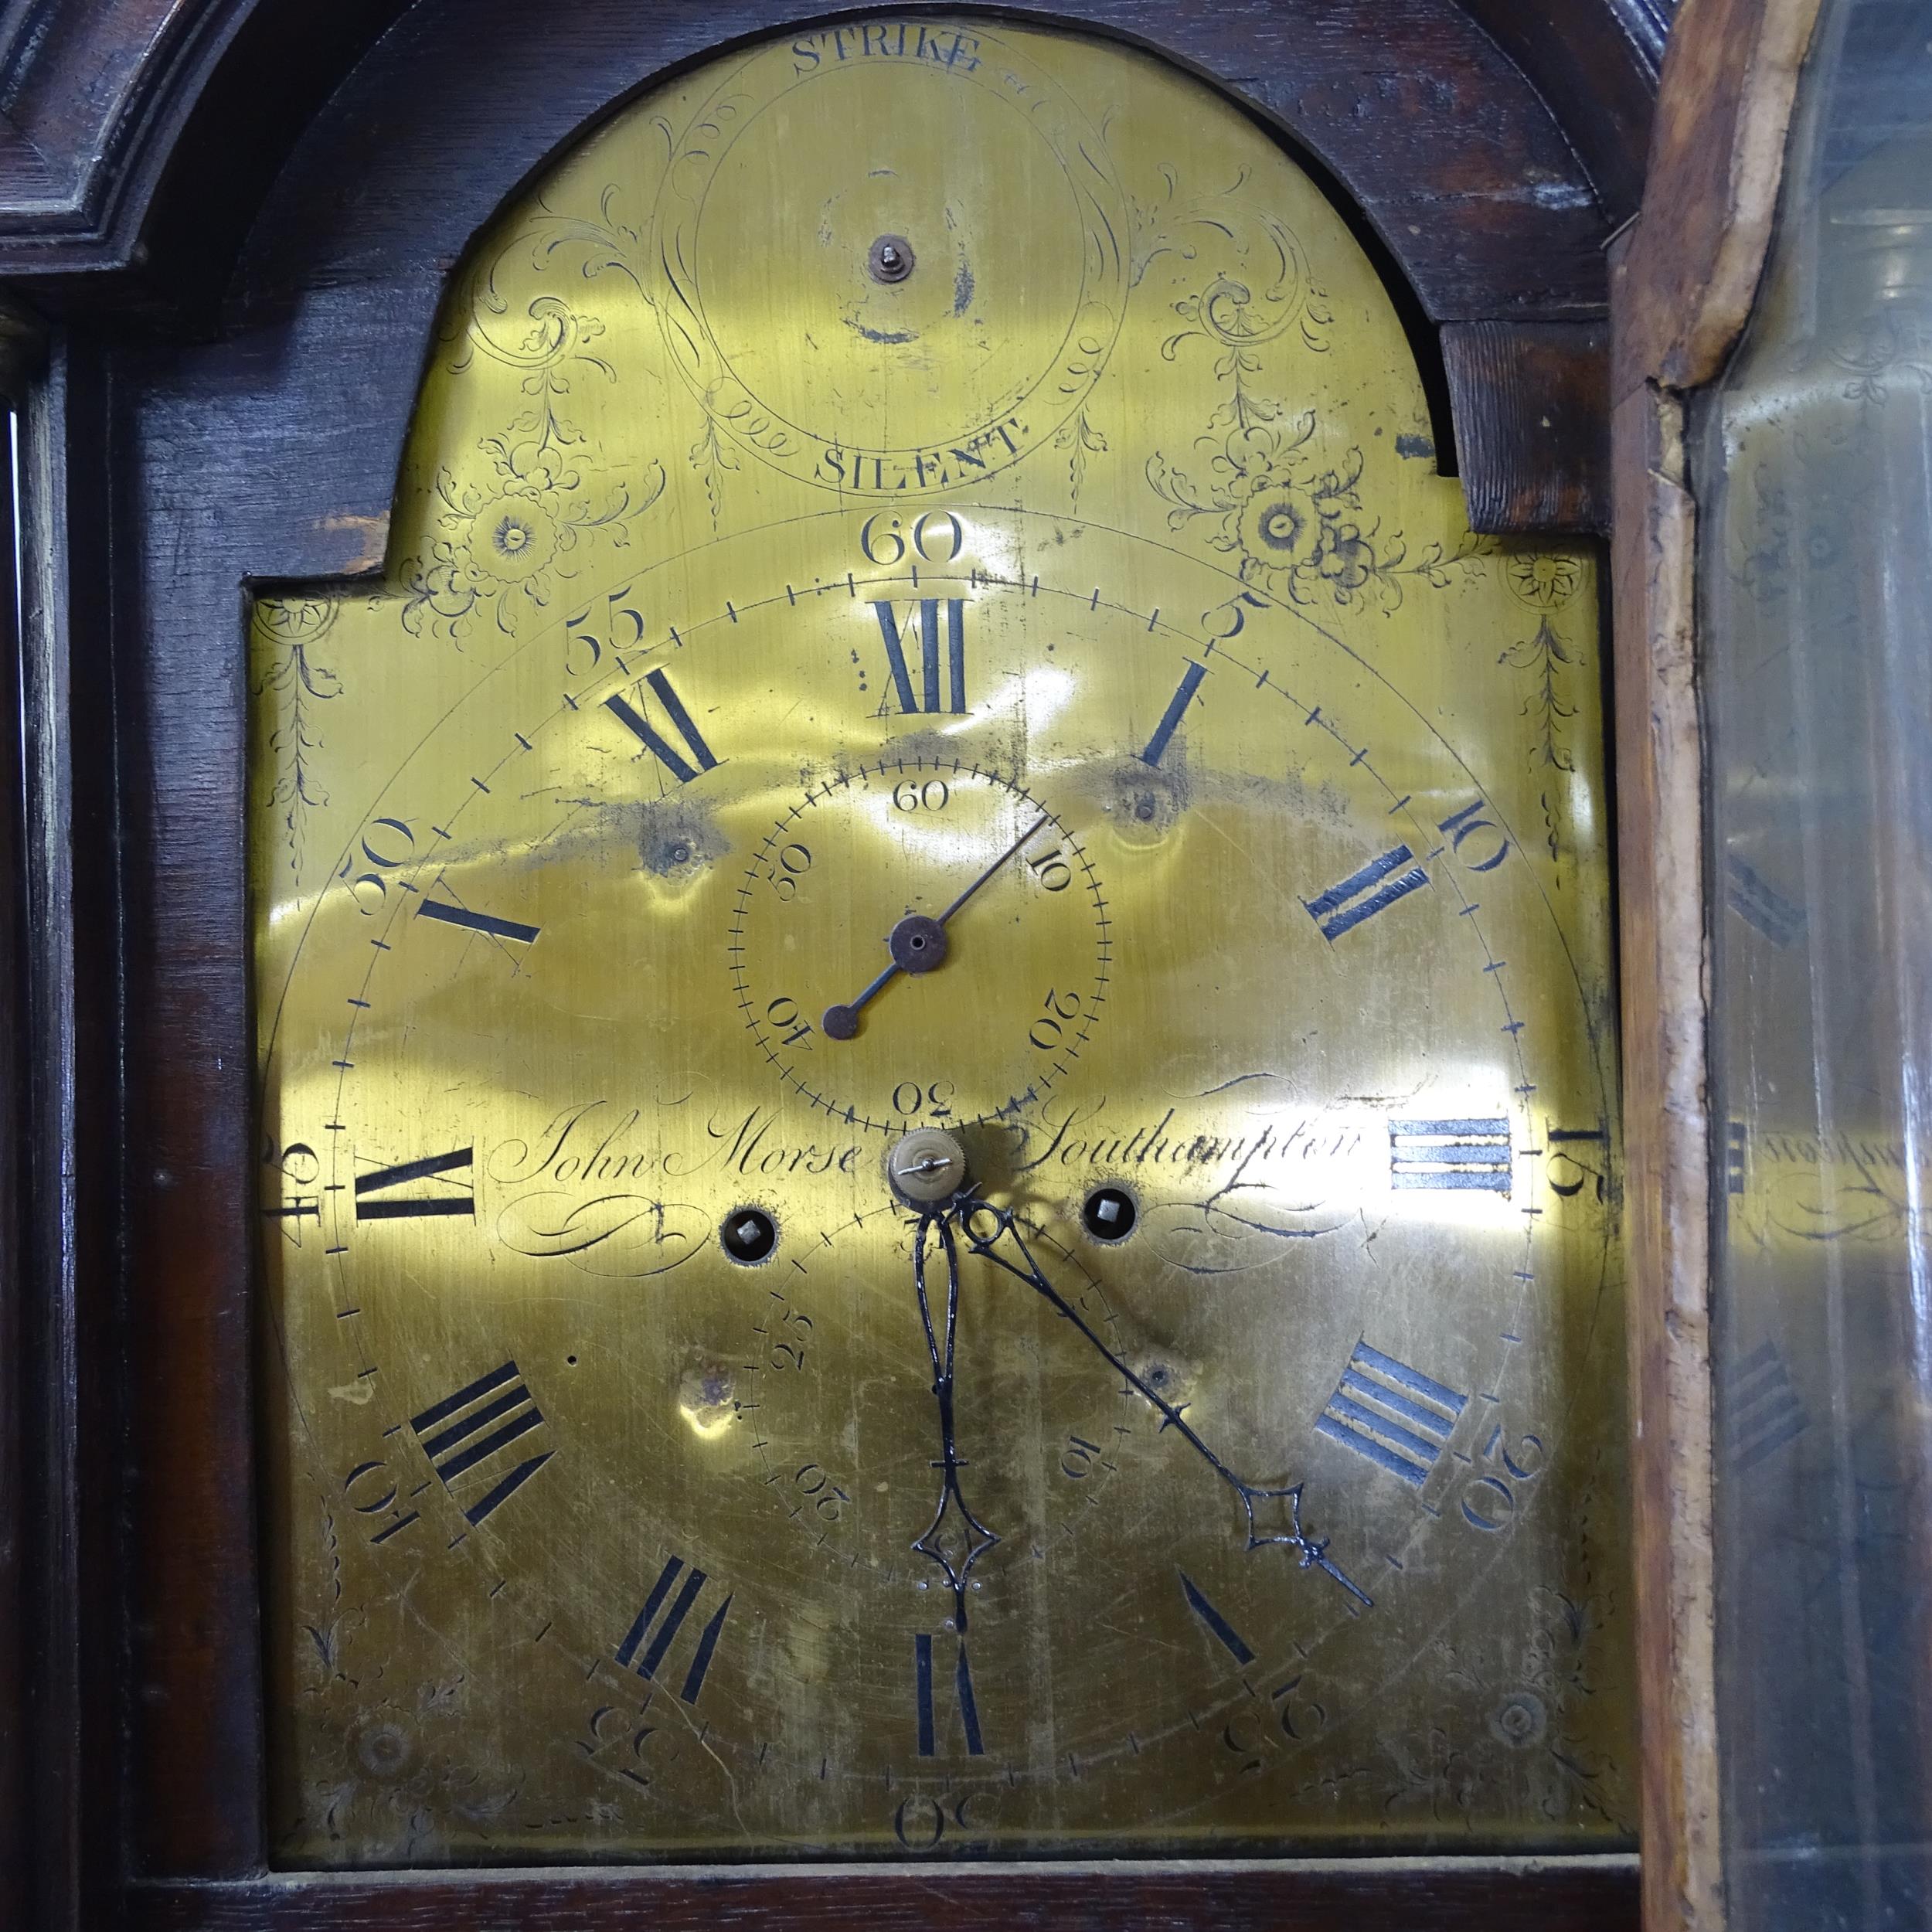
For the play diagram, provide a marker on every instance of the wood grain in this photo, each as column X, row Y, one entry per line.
column 1531, row 405
column 1683, row 280
column 1372, row 1895
column 1717, row 158
column 1667, row 1143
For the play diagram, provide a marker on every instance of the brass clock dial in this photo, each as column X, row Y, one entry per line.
column 939, row 1142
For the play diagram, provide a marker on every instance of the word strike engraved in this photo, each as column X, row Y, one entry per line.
column 1398, row 1417
column 1763, row 1411
column 962, row 1690
column 683, row 769
column 411, row 1207
column 645, row 1648
column 1363, row 894
column 931, row 693
column 1464, row 1154
column 482, row 1419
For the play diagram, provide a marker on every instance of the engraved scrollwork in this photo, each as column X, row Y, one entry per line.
column 1542, row 659
column 508, row 536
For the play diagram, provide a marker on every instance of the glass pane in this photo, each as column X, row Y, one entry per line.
column 1812, row 461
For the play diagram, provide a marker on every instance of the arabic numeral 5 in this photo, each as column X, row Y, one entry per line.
column 1489, row 1500
column 1044, row 1032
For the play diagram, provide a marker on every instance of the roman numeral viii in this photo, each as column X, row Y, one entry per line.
column 931, row 696
column 681, row 767
column 651, row 1635
column 473, row 1427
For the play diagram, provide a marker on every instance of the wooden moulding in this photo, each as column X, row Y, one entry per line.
column 1376, row 1894
column 1531, row 405
column 1682, row 283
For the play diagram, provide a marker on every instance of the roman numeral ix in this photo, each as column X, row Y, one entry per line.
column 411, row 1207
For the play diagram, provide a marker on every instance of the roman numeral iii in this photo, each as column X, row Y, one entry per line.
column 931, row 696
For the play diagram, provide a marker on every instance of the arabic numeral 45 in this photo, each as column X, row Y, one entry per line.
column 1509, row 1466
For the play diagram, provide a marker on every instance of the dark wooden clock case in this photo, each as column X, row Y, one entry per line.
column 225, row 225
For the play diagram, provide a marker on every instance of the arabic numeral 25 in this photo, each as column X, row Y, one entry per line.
column 1489, row 1500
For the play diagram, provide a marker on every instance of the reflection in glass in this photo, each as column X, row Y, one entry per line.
column 1812, row 460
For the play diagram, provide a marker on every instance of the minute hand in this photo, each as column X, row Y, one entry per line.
column 1311, row 1550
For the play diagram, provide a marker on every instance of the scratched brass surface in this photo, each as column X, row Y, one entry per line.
column 1308, row 1495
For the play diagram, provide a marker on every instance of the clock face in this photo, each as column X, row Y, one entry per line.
column 938, row 1146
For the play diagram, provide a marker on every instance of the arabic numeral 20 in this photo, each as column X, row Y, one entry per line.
column 1057, row 1006
column 1489, row 1500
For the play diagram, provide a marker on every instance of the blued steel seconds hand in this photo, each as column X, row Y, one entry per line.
column 917, row 944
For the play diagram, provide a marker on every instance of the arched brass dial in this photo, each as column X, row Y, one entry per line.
column 939, row 1138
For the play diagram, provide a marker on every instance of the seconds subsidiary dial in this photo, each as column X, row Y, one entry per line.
column 957, row 834
column 939, row 1156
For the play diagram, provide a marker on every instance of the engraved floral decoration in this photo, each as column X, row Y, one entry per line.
column 1296, row 524
column 513, row 526
column 1544, row 581
column 298, row 681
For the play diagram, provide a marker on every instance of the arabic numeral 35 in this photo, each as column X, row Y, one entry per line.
column 1489, row 1500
